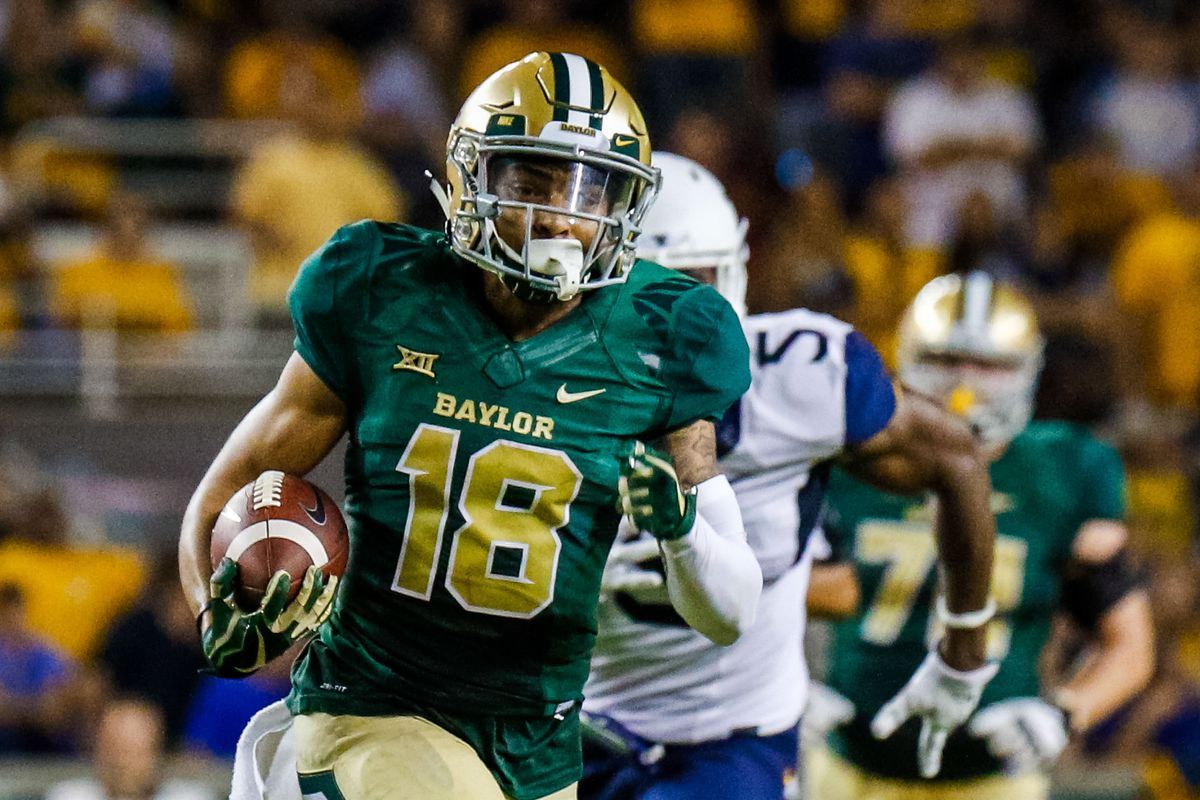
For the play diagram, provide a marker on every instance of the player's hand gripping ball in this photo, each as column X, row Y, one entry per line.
column 652, row 497
column 278, row 549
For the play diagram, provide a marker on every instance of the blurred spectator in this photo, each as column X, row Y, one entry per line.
column 1161, row 510
column 1008, row 34
column 942, row 18
column 804, row 28
column 403, row 90
column 37, row 78
column 22, row 301
column 33, row 680
column 122, row 283
column 886, row 272
column 296, row 189
column 981, row 243
column 693, row 53
column 153, row 652
column 128, row 760
column 1092, row 201
column 1145, row 105
column 126, row 50
column 1156, row 275
column 222, row 706
column 259, row 70
column 526, row 26
column 1191, row 469
column 72, row 593
column 723, row 145
column 405, row 96
column 954, row 131
column 802, row 259
column 863, row 67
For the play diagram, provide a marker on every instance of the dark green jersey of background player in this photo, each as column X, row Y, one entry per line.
column 481, row 473
column 1052, row 479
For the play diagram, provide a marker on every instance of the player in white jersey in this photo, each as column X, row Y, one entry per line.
column 675, row 716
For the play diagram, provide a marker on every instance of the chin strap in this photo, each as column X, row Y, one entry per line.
column 439, row 192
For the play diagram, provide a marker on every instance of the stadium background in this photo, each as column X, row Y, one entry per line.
column 165, row 164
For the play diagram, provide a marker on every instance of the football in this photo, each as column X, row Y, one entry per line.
column 279, row 522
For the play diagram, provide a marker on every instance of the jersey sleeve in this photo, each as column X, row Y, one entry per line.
column 870, row 397
column 326, row 293
column 1101, row 482
column 710, row 363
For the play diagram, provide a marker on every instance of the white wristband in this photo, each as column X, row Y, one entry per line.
column 966, row 620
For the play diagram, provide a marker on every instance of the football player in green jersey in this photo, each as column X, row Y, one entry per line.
column 496, row 383
column 1058, row 499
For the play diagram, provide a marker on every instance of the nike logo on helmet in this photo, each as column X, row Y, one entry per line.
column 564, row 396
column 317, row 513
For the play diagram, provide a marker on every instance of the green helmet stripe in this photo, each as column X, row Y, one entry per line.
column 562, row 87
column 597, row 103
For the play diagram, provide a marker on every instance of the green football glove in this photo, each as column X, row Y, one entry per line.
column 237, row 643
column 651, row 495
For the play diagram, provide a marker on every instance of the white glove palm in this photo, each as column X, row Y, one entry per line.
column 942, row 697
column 826, row 710
column 1026, row 733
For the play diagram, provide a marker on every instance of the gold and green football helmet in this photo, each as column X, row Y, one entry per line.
column 973, row 344
column 549, row 137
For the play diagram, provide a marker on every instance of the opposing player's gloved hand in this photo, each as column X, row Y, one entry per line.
column 237, row 643
column 826, row 710
column 623, row 572
column 651, row 495
column 942, row 697
column 1026, row 733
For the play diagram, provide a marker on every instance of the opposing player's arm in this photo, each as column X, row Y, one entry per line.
column 291, row 429
column 1104, row 596
column 713, row 578
column 924, row 447
column 833, row 591
column 833, row 588
column 902, row 442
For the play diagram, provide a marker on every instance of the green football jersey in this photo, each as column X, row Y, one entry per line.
column 1052, row 478
column 481, row 473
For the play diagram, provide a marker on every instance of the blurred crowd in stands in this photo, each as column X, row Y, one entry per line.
column 872, row 144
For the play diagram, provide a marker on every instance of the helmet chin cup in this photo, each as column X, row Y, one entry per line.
column 560, row 260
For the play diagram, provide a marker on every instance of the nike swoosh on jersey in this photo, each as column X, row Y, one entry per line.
column 564, row 396
column 316, row 514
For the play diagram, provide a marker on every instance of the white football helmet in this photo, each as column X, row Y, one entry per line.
column 973, row 344
column 694, row 226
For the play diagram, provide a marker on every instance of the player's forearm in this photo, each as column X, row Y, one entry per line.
column 833, row 591
column 240, row 460
column 1122, row 664
column 966, row 535
column 276, row 434
column 713, row 579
